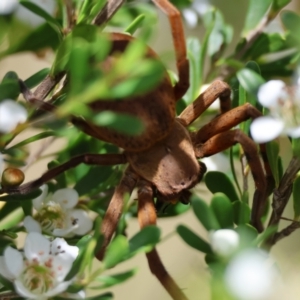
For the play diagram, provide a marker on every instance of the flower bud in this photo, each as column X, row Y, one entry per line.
column 12, row 177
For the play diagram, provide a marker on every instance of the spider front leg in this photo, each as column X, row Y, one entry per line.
column 146, row 217
column 225, row 140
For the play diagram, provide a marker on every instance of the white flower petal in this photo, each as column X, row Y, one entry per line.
column 67, row 197
column 32, row 225
column 293, row 132
column 32, row 19
column 67, row 232
column 224, row 241
column 58, row 289
column 270, row 92
column 23, row 291
column 190, row 17
column 58, row 245
column 4, row 271
column 11, row 114
column 14, row 261
column 248, row 277
column 8, row 6
column 38, row 201
column 81, row 217
column 265, row 129
column 217, row 162
column 36, row 247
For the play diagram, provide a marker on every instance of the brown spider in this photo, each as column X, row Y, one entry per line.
column 163, row 160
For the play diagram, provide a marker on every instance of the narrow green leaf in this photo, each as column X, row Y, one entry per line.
column 36, row 78
column 291, row 22
column 193, row 239
column 110, row 280
column 144, row 240
column 296, row 198
column 34, row 138
column 219, row 182
column 124, row 123
column 135, row 24
column 223, row 210
column 255, row 13
column 272, row 149
column 81, row 244
column 204, row 214
column 194, row 55
column 25, row 197
column 279, row 4
column 250, row 80
column 9, row 87
column 116, row 252
column 42, row 13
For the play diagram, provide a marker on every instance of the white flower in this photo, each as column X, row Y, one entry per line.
column 8, row 6
column 11, row 114
column 28, row 17
column 249, row 277
column 224, row 242
column 39, row 271
column 197, row 9
column 57, row 215
column 217, row 162
column 284, row 106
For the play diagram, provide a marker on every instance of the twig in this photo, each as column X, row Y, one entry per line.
column 285, row 232
column 69, row 11
column 281, row 196
column 47, row 85
column 109, row 9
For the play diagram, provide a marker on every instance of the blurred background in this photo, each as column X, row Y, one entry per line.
column 185, row 264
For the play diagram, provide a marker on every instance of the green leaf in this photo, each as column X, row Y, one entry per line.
column 272, row 149
column 204, row 214
column 110, row 280
column 171, row 210
column 9, row 87
column 117, row 250
column 123, row 123
column 194, row 55
column 222, row 209
column 36, row 78
column 250, row 80
column 144, row 240
column 279, row 4
column 291, row 21
column 81, row 244
column 29, row 196
column 241, row 212
column 255, row 13
column 193, row 239
column 219, row 182
column 42, row 13
column 268, row 232
column 135, row 24
column 34, row 138
column 92, row 179
column 106, row 296
column 296, row 198
column 248, row 235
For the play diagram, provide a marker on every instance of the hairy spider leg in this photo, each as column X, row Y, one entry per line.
column 218, row 89
column 146, row 217
column 182, row 62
